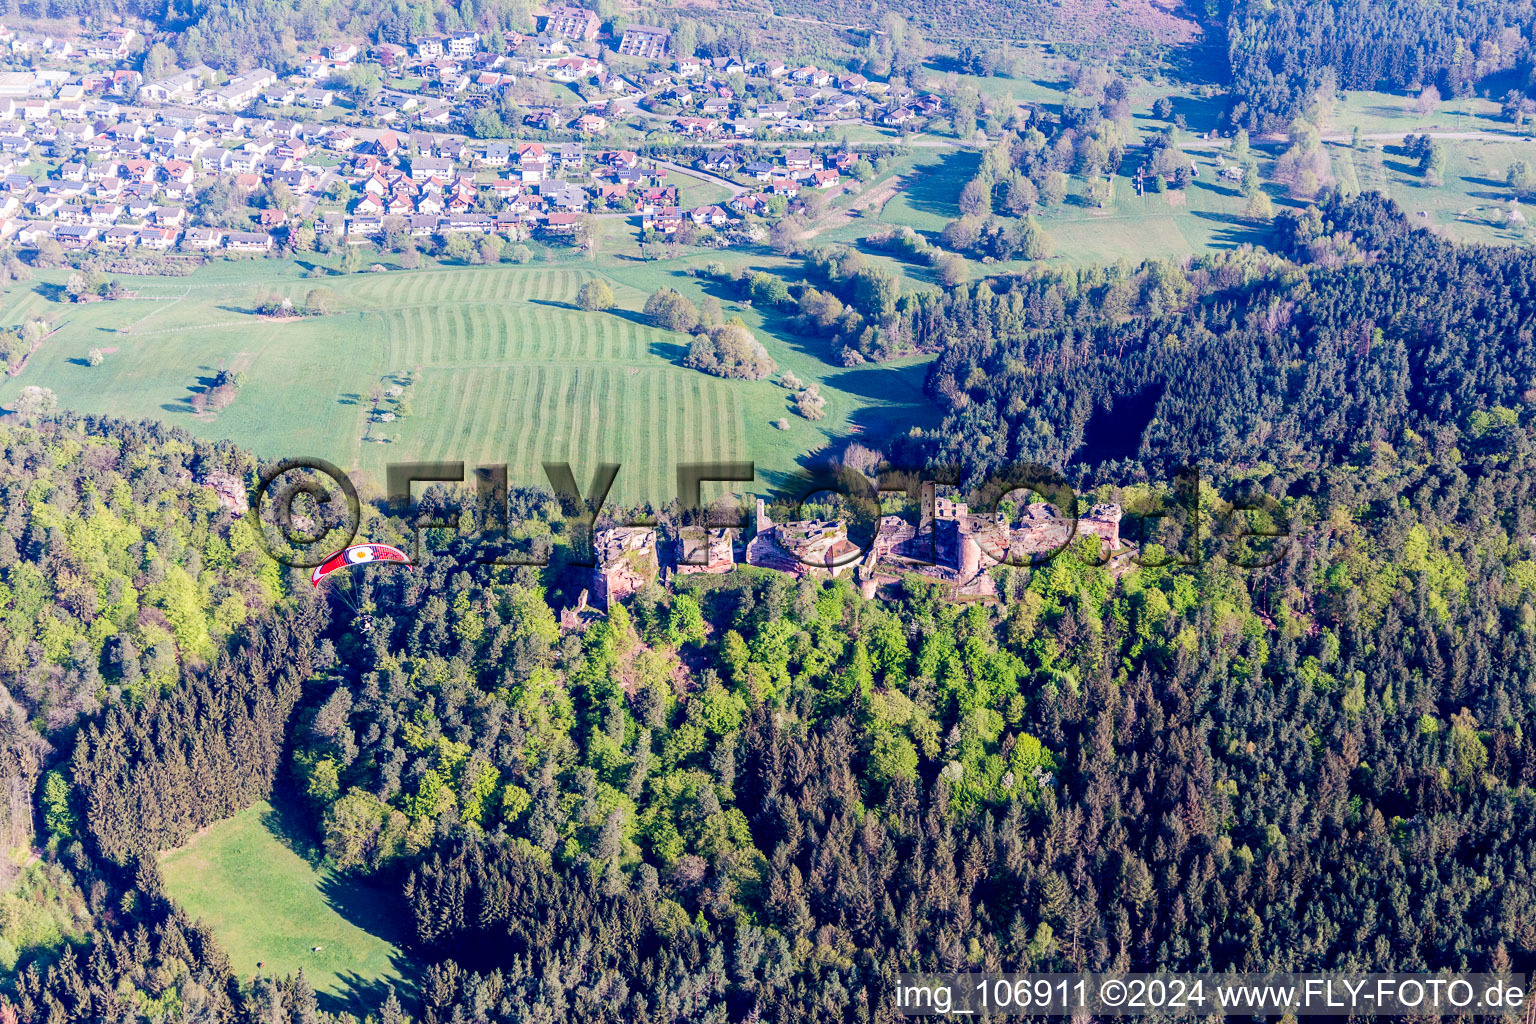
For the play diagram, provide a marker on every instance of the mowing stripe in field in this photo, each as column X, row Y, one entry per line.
column 511, row 371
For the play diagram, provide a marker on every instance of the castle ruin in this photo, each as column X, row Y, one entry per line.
column 952, row 545
column 626, row 561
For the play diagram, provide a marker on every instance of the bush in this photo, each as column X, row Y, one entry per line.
column 810, row 404
column 34, row 402
column 320, row 301
column 275, row 305
column 767, row 288
column 595, row 296
column 1000, row 238
column 671, row 311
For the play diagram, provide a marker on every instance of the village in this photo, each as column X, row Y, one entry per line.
column 952, row 546
column 92, row 157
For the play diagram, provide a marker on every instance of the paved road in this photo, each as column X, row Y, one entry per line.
column 1397, row 136
column 736, row 189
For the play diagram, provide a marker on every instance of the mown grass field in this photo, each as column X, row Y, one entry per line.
column 268, row 905
column 510, row 370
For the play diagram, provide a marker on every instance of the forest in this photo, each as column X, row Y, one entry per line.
column 1282, row 52
column 755, row 797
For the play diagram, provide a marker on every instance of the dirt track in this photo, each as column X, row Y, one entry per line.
column 875, row 197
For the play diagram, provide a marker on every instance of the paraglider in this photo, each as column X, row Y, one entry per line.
column 357, row 554
column 352, row 557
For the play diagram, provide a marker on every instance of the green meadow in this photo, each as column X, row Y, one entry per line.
column 251, row 878
column 508, row 369
column 1471, row 204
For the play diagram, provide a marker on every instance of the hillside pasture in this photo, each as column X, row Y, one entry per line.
column 508, row 369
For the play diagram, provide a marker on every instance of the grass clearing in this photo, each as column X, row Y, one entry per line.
column 510, row 370
column 269, row 905
column 1472, row 203
column 1206, row 216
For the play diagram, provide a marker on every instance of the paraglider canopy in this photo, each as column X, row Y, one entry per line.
column 357, row 554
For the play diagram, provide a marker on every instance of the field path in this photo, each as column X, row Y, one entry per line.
column 156, row 311
column 875, row 197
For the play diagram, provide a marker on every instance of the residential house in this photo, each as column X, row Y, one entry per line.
column 497, row 154
column 157, row 237
column 241, row 90
column 177, row 88
column 574, row 69
column 645, row 41
column 572, row 23
column 248, row 241
column 114, row 44
column 75, row 236
column 562, row 223
column 532, row 162
column 665, row 220
column 424, row 167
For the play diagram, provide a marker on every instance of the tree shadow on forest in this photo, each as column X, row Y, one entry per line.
column 381, row 913
column 892, row 400
column 1201, row 113
column 1200, row 62
column 362, row 997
